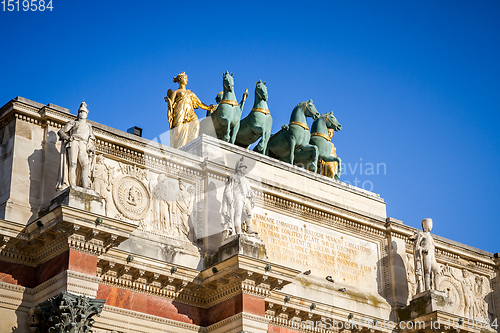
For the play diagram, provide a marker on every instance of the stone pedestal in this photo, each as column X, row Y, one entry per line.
column 248, row 245
column 164, row 248
column 81, row 198
column 425, row 303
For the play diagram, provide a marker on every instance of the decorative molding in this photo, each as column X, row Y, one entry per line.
column 108, row 312
column 27, row 119
column 326, row 216
column 63, row 229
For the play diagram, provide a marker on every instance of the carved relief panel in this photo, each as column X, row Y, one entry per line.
column 469, row 292
column 158, row 202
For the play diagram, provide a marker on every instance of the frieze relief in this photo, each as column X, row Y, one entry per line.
column 158, row 202
column 470, row 292
column 172, row 206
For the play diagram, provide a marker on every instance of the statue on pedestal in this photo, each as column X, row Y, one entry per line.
column 78, row 151
column 237, row 203
column 184, row 124
column 427, row 270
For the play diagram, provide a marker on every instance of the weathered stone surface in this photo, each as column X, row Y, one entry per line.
column 80, row 198
column 163, row 247
column 149, row 239
column 426, row 303
column 248, row 245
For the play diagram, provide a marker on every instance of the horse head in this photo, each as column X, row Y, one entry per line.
column 332, row 122
column 310, row 110
column 261, row 91
column 228, row 81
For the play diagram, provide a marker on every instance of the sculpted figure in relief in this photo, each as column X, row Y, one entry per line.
column 184, row 207
column 103, row 177
column 482, row 290
column 425, row 260
column 78, row 149
column 237, row 203
column 162, row 206
column 184, row 124
column 475, row 289
column 468, row 289
column 411, row 276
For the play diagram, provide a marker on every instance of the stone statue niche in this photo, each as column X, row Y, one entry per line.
column 427, row 271
column 238, row 203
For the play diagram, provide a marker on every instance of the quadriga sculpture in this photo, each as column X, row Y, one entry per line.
column 258, row 123
column 295, row 135
column 224, row 122
column 320, row 138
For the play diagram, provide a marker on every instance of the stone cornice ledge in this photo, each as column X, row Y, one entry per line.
column 279, row 164
column 236, row 317
column 61, row 229
column 279, row 274
column 298, row 309
column 141, row 316
column 445, row 246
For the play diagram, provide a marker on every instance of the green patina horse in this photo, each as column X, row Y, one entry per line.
column 295, row 135
column 320, row 137
column 258, row 123
column 224, row 122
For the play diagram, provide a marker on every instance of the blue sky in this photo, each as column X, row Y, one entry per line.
column 414, row 83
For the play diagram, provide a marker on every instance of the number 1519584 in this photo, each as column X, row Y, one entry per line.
column 26, row 5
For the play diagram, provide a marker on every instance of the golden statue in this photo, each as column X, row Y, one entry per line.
column 184, row 124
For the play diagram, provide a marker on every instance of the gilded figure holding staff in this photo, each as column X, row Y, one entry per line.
column 184, row 124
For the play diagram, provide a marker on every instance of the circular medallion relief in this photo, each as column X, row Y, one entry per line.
column 454, row 292
column 131, row 198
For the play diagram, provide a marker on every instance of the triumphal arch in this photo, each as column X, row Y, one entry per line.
column 102, row 230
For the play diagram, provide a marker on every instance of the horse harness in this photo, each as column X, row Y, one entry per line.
column 304, row 126
column 264, row 111
column 230, row 102
column 324, row 136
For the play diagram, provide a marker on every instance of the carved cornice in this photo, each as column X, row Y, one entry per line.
column 110, row 312
column 287, row 313
column 320, row 213
column 116, row 144
column 238, row 317
column 27, row 119
column 62, row 229
column 454, row 255
column 204, row 289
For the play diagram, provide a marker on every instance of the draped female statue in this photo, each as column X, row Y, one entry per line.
column 184, row 124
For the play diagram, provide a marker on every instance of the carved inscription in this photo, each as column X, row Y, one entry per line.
column 325, row 252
